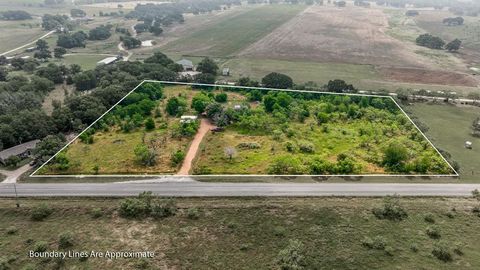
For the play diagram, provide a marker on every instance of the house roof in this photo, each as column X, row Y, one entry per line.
column 185, row 62
column 18, row 149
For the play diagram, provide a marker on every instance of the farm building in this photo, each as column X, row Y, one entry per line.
column 109, row 60
column 188, row 118
column 186, row 64
column 23, row 150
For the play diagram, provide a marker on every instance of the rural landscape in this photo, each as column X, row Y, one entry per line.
column 230, row 134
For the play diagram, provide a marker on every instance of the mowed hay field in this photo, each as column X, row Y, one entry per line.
column 18, row 33
column 449, row 128
column 231, row 34
column 232, row 233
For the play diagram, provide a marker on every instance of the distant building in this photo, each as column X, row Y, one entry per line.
column 226, row 72
column 25, row 57
column 186, row 64
column 23, row 150
column 188, row 118
column 468, row 145
column 109, row 60
column 30, row 49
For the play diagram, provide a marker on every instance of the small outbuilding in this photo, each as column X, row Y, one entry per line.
column 225, row 72
column 468, row 145
column 186, row 64
column 188, row 118
column 22, row 151
column 109, row 60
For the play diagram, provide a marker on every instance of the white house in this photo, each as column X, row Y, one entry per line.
column 188, row 118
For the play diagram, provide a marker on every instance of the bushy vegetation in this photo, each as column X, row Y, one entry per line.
column 146, row 205
column 41, row 212
column 391, row 210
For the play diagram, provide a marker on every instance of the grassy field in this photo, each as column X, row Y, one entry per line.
column 449, row 128
column 231, row 34
column 246, row 233
column 84, row 60
column 18, row 33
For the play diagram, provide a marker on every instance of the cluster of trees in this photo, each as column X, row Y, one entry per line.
column 72, row 40
column 75, row 12
column 434, row 42
column 101, row 32
column 41, row 50
column 453, row 21
column 51, row 22
column 15, row 15
column 130, row 42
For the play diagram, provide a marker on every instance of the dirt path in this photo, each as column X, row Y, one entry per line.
column 204, row 128
column 12, row 176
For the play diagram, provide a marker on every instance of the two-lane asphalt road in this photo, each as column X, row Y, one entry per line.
column 198, row 189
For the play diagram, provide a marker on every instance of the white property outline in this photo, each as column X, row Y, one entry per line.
column 246, row 175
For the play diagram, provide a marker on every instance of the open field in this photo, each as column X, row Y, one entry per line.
column 307, row 135
column 246, row 233
column 18, row 33
column 231, row 34
column 449, row 128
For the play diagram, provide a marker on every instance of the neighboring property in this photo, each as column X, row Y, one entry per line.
column 226, row 72
column 188, row 118
column 109, row 60
column 23, row 150
column 186, row 64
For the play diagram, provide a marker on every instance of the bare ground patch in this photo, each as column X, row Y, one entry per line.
column 422, row 76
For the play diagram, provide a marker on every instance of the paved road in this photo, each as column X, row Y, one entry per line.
column 198, row 189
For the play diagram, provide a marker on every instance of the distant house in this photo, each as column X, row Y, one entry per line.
column 226, row 72
column 23, row 150
column 186, row 64
column 109, row 60
column 188, row 118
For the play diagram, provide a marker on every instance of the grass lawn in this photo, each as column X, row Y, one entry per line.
column 247, row 233
column 449, row 128
column 232, row 34
column 85, row 61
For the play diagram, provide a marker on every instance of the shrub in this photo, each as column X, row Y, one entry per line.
column 193, row 213
column 279, row 231
column 96, row 213
column 429, row 218
column 441, row 252
column 40, row 246
column 391, row 210
column 4, row 265
column 12, row 230
column 458, row 248
column 149, row 124
column 41, row 212
column 248, row 145
column 433, row 232
column 163, row 208
column 177, row 157
column 134, row 208
column 307, row 147
column 414, row 247
column 290, row 146
column 145, row 156
column 389, row 251
column 291, row 257
column 378, row 242
column 65, row 240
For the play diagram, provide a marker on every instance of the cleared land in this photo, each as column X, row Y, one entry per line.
column 246, row 233
column 231, row 34
column 18, row 33
column 449, row 128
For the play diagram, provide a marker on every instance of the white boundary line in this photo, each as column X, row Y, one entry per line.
column 245, row 175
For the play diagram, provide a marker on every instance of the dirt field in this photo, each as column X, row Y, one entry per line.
column 356, row 36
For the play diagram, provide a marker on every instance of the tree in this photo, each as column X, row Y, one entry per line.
column 41, row 45
column 292, row 257
column 454, row 45
column 340, row 86
column 85, row 80
column 145, row 156
column 159, row 58
column 77, row 39
column 221, row 97
column 175, row 106
column 429, row 41
column 52, row 72
column 12, row 161
column 208, row 66
column 149, row 124
column 48, row 147
column 58, row 52
column 50, row 22
column 42, row 54
column 75, row 12
column 277, row 80
column 15, row 15
column 101, row 32
column 3, row 74
column 205, row 78
column 200, row 101
column 130, row 42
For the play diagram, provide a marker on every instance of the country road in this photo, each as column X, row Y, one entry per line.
column 199, row 189
column 28, row 44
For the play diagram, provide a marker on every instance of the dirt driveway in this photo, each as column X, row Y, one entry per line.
column 205, row 126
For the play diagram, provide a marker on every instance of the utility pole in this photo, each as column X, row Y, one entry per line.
column 16, row 195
